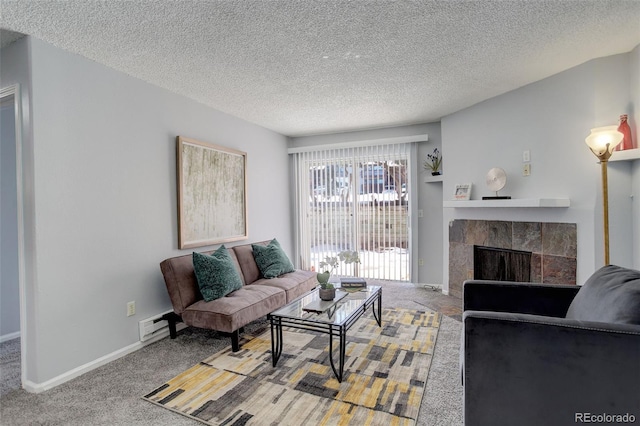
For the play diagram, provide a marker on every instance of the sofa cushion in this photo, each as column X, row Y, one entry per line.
column 295, row 283
column 236, row 310
column 271, row 259
column 216, row 274
column 248, row 268
column 611, row 294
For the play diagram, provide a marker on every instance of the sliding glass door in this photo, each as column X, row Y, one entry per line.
column 355, row 199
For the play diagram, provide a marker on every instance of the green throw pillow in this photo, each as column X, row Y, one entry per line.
column 216, row 274
column 271, row 260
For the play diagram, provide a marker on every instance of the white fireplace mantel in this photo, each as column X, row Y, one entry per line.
column 517, row 202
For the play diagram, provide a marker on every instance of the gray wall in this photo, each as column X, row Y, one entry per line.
column 551, row 118
column 430, row 202
column 101, row 213
column 635, row 196
column 428, row 235
column 9, row 291
column 634, row 89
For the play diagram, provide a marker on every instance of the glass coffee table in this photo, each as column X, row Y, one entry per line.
column 332, row 318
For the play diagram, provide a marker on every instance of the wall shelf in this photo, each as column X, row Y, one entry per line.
column 626, row 155
column 516, row 202
column 431, row 179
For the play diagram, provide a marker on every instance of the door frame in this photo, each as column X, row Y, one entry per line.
column 7, row 92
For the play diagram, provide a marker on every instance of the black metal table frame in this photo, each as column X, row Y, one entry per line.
column 339, row 330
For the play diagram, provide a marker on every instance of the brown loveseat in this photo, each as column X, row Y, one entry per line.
column 257, row 297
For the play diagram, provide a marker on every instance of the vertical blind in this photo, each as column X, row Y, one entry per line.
column 354, row 199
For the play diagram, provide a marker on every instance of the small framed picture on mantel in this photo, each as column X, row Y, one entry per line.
column 462, row 192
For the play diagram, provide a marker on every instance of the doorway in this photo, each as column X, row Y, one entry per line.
column 11, row 336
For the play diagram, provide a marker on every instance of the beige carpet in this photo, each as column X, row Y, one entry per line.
column 386, row 369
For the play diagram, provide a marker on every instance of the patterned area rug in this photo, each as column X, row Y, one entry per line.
column 385, row 374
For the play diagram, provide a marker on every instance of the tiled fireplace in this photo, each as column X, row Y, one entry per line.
column 552, row 247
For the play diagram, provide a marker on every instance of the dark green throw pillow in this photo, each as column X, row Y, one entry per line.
column 216, row 274
column 271, row 260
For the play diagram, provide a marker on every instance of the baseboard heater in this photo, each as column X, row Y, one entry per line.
column 155, row 325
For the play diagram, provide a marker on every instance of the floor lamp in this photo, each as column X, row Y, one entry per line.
column 601, row 142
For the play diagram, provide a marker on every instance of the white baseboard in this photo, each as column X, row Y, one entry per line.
column 10, row 336
column 32, row 387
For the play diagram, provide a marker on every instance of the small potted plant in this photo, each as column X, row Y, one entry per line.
column 327, row 290
column 433, row 162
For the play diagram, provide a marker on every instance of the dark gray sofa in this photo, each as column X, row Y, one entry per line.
column 536, row 354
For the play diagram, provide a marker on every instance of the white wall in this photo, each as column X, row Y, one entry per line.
column 102, row 211
column 551, row 118
column 428, row 235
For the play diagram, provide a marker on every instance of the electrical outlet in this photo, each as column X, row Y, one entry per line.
column 526, row 156
column 526, row 169
column 131, row 308
column 420, row 213
column 420, row 262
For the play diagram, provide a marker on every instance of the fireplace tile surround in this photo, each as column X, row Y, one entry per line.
column 553, row 247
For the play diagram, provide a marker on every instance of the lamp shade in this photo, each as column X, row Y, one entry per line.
column 603, row 140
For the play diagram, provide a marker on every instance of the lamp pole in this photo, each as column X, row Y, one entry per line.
column 601, row 142
column 605, row 207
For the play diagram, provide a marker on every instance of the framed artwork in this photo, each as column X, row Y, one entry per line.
column 212, row 194
column 462, row 192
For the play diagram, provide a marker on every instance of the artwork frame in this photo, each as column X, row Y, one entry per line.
column 462, row 192
column 212, row 193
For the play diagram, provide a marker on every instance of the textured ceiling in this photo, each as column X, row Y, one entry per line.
column 309, row 67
